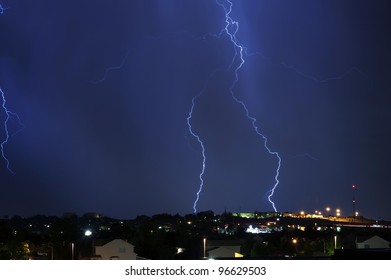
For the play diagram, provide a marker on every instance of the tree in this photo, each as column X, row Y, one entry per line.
column 19, row 250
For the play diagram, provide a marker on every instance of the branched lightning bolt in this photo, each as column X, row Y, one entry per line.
column 231, row 28
column 10, row 115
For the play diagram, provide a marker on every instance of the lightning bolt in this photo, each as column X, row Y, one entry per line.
column 231, row 28
column 198, row 138
column 195, row 135
column 112, row 68
column 324, row 80
column 10, row 116
column 315, row 79
column 306, row 155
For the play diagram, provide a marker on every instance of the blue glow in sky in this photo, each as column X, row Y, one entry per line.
column 104, row 92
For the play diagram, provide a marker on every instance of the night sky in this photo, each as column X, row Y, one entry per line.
column 104, row 89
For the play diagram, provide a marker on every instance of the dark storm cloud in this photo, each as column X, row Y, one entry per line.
column 114, row 139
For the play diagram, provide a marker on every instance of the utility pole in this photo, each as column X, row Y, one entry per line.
column 354, row 200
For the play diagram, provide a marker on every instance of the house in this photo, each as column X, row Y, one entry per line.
column 116, row 249
column 223, row 249
column 374, row 242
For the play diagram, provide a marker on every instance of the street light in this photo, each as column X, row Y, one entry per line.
column 204, row 247
column 88, row 233
column 294, row 242
column 73, row 249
